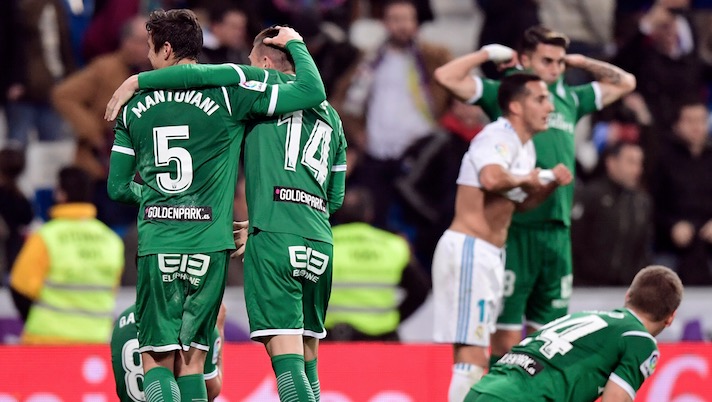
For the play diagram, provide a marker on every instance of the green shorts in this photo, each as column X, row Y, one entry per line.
column 287, row 284
column 538, row 276
column 177, row 299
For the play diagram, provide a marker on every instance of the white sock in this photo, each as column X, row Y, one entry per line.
column 464, row 377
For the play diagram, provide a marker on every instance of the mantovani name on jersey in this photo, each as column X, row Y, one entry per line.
column 528, row 363
column 177, row 213
column 295, row 195
column 192, row 97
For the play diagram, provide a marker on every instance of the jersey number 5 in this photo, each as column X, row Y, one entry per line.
column 164, row 154
column 315, row 155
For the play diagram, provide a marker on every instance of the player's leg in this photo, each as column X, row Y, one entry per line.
column 204, row 287
column 467, row 283
column 549, row 299
column 315, row 301
column 518, row 282
column 274, row 266
column 158, row 319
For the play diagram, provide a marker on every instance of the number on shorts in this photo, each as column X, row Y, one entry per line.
column 509, row 279
column 315, row 155
column 559, row 335
column 133, row 372
column 164, row 154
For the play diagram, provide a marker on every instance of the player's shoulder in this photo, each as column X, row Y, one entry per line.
column 499, row 129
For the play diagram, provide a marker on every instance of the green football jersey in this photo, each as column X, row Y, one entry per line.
column 572, row 358
column 553, row 146
column 186, row 145
column 126, row 361
column 290, row 166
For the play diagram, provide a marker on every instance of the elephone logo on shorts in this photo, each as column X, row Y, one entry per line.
column 190, row 267
column 177, row 213
column 307, row 262
column 297, row 196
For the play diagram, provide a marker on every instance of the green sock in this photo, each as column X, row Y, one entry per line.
column 192, row 388
column 160, row 386
column 493, row 359
column 292, row 383
column 313, row 377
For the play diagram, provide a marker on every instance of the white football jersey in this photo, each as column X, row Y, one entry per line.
column 498, row 144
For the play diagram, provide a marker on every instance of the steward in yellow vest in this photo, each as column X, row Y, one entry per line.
column 371, row 269
column 69, row 270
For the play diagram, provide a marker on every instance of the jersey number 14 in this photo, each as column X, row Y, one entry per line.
column 315, row 154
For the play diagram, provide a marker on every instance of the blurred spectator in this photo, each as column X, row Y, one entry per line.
column 228, row 26
column 15, row 209
column 430, row 168
column 64, row 280
column 328, row 45
column 377, row 8
column 391, row 102
column 589, row 26
column 370, row 265
column 682, row 192
column 504, row 23
column 82, row 99
column 612, row 221
column 662, row 57
column 104, row 32
column 44, row 57
column 340, row 12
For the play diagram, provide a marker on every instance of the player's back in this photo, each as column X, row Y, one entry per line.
column 187, row 149
column 288, row 163
column 572, row 358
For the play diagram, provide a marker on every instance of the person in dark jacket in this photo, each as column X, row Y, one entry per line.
column 612, row 221
column 682, row 191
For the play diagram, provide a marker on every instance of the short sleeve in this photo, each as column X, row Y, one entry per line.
column 640, row 356
column 122, row 139
column 486, row 97
column 494, row 148
column 588, row 98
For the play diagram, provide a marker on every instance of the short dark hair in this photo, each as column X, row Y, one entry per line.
column 76, row 184
column 357, row 206
column 279, row 56
column 538, row 34
column 513, row 87
column 615, row 149
column 12, row 162
column 178, row 27
column 655, row 291
column 689, row 101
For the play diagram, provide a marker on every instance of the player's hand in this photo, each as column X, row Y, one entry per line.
column 682, row 233
column 574, row 60
column 562, row 174
column 532, row 183
column 498, row 53
column 285, row 35
column 120, row 97
column 239, row 234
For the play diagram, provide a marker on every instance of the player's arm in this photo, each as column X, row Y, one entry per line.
column 615, row 393
column 456, row 75
column 305, row 92
column 560, row 175
column 199, row 75
column 122, row 168
column 614, row 82
column 337, row 179
column 492, row 154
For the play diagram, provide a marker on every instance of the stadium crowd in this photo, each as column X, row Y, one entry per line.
column 643, row 189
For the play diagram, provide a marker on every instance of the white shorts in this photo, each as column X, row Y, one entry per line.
column 468, row 276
